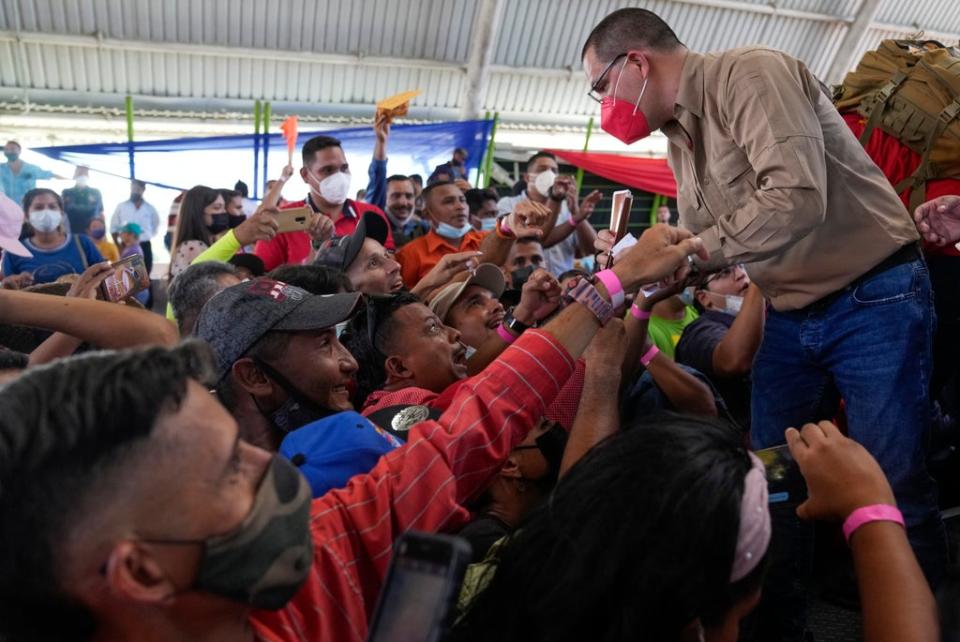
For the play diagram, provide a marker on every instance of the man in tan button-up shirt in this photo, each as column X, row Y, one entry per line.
column 769, row 175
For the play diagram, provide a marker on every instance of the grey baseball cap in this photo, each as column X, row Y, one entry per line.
column 486, row 276
column 340, row 252
column 237, row 317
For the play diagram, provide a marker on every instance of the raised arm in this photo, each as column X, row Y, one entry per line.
column 842, row 477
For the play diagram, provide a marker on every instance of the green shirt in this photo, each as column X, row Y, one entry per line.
column 665, row 333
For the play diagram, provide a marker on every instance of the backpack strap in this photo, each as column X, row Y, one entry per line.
column 927, row 171
column 882, row 96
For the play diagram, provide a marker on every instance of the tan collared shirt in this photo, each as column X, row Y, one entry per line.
column 768, row 174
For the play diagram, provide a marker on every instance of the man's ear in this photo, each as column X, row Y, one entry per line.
column 396, row 369
column 304, row 174
column 702, row 296
column 133, row 574
column 248, row 376
column 639, row 59
column 511, row 467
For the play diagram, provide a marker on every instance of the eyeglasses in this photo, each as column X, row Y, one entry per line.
column 603, row 74
column 722, row 274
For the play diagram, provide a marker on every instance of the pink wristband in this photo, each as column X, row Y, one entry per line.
column 612, row 283
column 867, row 514
column 650, row 354
column 639, row 314
column 505, row 334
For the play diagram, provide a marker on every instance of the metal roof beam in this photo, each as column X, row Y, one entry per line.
column 847, row 51
column 481, row 53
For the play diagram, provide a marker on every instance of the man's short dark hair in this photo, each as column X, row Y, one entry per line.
column 416, row 178
column 315, row 279
column 139, row 183
column 476, row 197
column 70, row 433
column 191, row 289
column 316, row 144
column 626, row 29
column 396, row 178
column 241, row 188
column 433, row 186
column 13, row 142
column 540, row 154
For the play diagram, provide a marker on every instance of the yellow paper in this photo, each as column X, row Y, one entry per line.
column 395, row 106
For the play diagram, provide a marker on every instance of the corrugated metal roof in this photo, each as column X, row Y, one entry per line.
column 340, row 57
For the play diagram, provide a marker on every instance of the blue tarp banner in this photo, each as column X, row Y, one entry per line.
column 220, row 161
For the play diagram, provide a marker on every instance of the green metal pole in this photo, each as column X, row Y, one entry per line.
column 488, row 173
column 657, row 199
column 586, row 144
column 129, row 109
column 256, row 149
column 483, row 161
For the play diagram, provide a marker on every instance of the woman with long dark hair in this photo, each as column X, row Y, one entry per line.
column 201, row 219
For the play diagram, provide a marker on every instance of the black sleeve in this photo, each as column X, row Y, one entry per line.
column 698, row 343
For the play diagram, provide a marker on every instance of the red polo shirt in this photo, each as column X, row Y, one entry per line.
column 419, row 256
column 294, row 247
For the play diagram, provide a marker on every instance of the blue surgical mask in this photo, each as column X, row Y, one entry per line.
column 450, row 232
column 488, row 224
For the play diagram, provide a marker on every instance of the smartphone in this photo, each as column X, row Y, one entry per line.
column 129, row 277
column 295, row 219
column 784, row 481
column 619, row 218
column 420, row 593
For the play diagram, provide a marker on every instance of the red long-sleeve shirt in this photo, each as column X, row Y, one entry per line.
column 421, row 486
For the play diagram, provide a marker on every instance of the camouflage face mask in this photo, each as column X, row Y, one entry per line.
column 264, row 561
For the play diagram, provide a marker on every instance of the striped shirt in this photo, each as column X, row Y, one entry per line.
column 423, row 486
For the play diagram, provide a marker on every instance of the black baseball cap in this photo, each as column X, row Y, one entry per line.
column 237, row 317
column 340, row 252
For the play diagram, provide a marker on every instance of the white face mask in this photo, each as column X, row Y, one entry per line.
column 334, row 188
column 488, row 224
column 450, row 232
column 732, row 304
column 544, row 181
column 45, row 220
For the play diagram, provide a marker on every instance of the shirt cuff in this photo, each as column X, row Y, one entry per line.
column 711, row 242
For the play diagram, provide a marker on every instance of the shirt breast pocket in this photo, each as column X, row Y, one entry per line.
column 693, row 215
column 734, row 178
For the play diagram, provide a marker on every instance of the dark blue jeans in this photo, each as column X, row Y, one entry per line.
column 872, row 343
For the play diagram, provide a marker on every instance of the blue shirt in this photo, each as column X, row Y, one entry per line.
column 15, row 186
column 377, row 185
column 49, row 265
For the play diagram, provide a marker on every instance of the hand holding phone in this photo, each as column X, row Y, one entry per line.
column 129, row 276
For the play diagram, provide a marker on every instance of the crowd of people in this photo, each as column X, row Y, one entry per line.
column 434, row 356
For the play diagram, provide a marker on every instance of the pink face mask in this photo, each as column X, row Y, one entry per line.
column 620, row 119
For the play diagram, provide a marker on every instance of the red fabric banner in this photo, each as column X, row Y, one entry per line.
column 648, row 174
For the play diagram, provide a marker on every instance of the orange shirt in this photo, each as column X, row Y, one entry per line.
column 419, row 256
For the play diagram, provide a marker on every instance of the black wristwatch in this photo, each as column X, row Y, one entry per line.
column 511, row 323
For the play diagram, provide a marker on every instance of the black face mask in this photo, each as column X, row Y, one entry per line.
column 519, row 276
column 235, row 221
column 219, row 223
column 297, row 411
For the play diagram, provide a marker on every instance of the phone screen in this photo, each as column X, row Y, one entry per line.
column 784, row 481
column 130, row 276
column 414, row 601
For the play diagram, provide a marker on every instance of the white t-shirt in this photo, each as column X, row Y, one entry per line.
column 145, row 216
column 561, row 256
